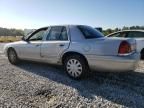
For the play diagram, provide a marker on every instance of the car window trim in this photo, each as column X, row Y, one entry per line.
column 126, row 32
column 112, row 35
column 36, row 31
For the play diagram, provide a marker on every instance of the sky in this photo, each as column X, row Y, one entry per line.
column 32, row 14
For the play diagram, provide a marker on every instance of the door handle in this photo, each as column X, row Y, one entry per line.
column 61, row 45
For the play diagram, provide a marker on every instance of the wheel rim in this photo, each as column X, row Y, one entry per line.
column 74, row 68
column 12, row 55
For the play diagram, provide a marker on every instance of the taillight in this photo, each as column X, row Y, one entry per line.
column 124, row 48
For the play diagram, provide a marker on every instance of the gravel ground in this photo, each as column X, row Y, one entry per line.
column 37, row 85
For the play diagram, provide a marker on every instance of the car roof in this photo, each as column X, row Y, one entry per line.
column 125, row 31
column 64, row 25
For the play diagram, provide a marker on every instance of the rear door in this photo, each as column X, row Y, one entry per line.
column 56, row 42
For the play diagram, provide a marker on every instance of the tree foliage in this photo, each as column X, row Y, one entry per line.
column 11, row 32
column 108, row 31
column 19, row 32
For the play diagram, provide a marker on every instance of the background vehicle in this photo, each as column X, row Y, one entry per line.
column 138, row 35
column 77, row 47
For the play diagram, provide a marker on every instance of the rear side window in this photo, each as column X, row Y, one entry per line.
column 136, row 34
column 89, row 32
column 57, row 33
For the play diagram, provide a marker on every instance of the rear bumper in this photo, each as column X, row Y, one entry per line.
column 114, row 63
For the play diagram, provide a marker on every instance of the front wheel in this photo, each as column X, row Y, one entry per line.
column 142, row 55
column 12, row 56
column 76, row 66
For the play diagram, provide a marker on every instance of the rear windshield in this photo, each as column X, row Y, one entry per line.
column 89, row 32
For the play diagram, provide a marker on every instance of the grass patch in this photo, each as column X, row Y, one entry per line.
column 10, row 38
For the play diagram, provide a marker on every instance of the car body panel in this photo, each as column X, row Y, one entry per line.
column 113, row 63
column 140, row 44
column 139, row 41
column 101, row 53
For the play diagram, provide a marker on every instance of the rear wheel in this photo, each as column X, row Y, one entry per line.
column 76, row 66
column 142, row 54
column 12, row 56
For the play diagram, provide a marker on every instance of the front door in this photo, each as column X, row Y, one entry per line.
column 31, row 48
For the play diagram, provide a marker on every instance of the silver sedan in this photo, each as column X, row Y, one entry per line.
column 78, row 48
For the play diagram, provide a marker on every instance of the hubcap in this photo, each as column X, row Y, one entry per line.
column 12, row 55
column 74, row 67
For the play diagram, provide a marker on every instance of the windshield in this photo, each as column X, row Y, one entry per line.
column 90, row 32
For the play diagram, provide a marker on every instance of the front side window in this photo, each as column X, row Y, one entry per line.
column 90, row 32
column 136, row 34
column 58, row 33
column 37, row 35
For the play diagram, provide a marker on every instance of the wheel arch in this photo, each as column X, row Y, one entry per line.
column 69, row 53
column 9, row 49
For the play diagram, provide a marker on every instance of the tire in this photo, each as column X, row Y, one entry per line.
column 12, row 56
column 76, row 66
column 142, row 55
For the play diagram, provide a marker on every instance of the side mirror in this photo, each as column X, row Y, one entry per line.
column 24, row 39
